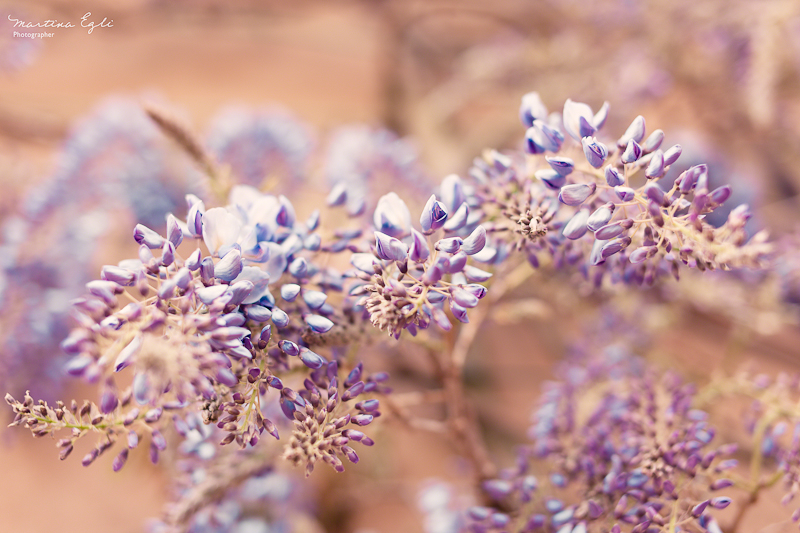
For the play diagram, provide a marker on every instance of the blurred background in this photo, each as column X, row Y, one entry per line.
column 280, row 89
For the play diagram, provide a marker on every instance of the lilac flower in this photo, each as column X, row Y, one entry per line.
column 434, row 215
column 532, row 108
column 392, row 216
column 595, row 151
column 579, row 122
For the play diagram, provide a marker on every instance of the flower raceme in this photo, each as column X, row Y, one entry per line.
column 205, row 333
column 546, row 202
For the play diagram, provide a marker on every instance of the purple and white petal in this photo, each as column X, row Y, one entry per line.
column 230, row 266
column 577, row 193
column 475, row 242
column 220, row 229
column 392, row 216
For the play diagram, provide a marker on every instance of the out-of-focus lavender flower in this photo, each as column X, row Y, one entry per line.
column 16, row 53
column 259, row 145
column 440, row 510
column 361, row 163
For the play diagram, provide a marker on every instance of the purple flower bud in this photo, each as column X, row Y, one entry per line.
column 576, row 227
column 578, row 119
column 739, row 216
column 440, row 317
column 290, row 291
column 497, row 488
column 229, row 266
column 419, row 247
column 632, row 153
column 626, row 194
column 240, row 352
column 532, row 108
column 614, row 246
column 452, row 192
column 127, row 353
column 450, row 245
column 719, row 484
column 279, row 317
column 368, row 405
column 656, row 194
column 286, row 215
column 595, row 151
column 392, row 216
column 183, row 278
column 166, row 290
column 434, row 215
column 672, row 154
column 641, row 254
column 318, row 324
column 207, row 270
column 264, row 336
column 459, row 312
column 463, row 298
column 174, row 233
column 158, row 440
column 609, row 231
column 655, row 212
column 275, row 383
column 312, row 242
column 475, row 274
column 311, row 359
column 141, row 388
column 719, row 195
column 338, row 195
column 144, row 235
column 700, row 508
column 655, row 169
column 613, row 177
column 362, row 419
column 541, row 138
column 388, row 248
column 227, row 378
column 456, row 263
column 576, row 193
column 432, row 275
column 635, row 131
column 108, row 402
column 553, row 179
column 563, row 165
column 479, row 291
column 475, row 242
column 119, row 275
column 720, row 502
column 194, row 219
column 257, row 313
column 289, row 348
column 78, row 365
column 600, row 217
column 314, row 299
column 654, row 141
column 299, row 268
column 89, row 457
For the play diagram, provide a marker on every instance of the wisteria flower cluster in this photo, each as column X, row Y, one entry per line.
column 197, row 333
column 231, row 343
